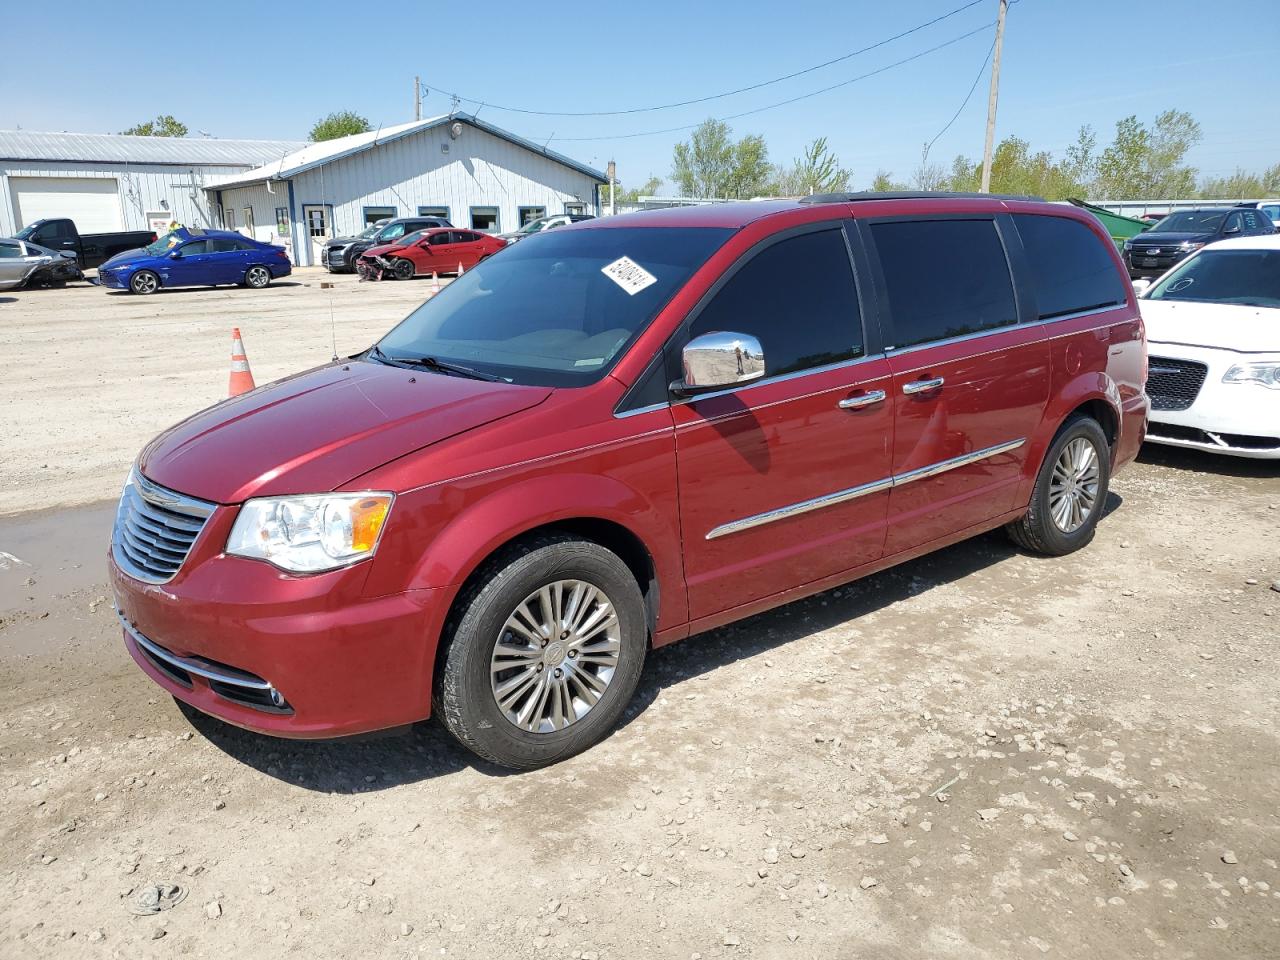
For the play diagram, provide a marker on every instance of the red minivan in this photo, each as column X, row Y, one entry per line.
column 620, row 433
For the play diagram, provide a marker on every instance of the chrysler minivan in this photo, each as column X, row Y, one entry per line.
column 615, row 435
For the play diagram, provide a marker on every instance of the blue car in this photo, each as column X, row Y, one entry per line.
column 196, row 258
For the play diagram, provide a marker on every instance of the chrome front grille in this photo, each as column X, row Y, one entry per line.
column 155, row 528
column 1174, row 384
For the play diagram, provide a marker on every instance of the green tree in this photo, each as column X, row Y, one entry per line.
column 648, row 189
column 818, row 171
column 713, row 164
column 883, row 182
column 1149, row 163
column 341, row 123
column 162, row 126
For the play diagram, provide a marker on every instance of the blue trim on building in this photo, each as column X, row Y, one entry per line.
column 497, row 218
column 293, row 231
column 364, row 213
column 521, row 221
column 428, row 206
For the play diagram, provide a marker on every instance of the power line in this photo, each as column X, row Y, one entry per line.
column 976, row 80
column 791, row 100
column 716, row 96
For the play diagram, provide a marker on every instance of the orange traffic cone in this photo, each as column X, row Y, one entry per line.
column 435, row 283
column 460, row 271
column 241, row 375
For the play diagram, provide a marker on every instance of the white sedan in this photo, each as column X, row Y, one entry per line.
column 1213, row 335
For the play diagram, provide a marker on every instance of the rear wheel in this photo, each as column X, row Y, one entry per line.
column 1070, row 491
column 545, row 652
column 257, row 277
column 144, row 282
column 402, row 269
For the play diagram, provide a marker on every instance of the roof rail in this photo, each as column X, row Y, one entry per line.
column 910, row 195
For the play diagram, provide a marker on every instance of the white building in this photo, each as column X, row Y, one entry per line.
column 475, row 174
column 109, row 182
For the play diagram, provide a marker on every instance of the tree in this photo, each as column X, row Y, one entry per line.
column 712, row 164
column 162, row 126
column 884, row 183
column 648, row 189
column 1149, row 163
column 818, row 171
column 341, row 123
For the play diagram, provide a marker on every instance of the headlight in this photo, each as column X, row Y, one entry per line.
column 1128, row 245
column 1267, row 374
column 310, row 534
column 1188, row 246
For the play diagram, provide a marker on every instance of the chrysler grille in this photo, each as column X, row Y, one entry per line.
column 1174, row 384
column 155, row 528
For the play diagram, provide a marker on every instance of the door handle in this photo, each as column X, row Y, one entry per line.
column 922, row 386
column 867, row 399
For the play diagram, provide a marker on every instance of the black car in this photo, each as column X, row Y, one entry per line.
column 340, row 254
column 1152, row 253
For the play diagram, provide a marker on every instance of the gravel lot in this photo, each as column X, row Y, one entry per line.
column 980, row 754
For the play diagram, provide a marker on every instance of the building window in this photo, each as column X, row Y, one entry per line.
column 373, row 214
column 529, row 214
column 575, row 208
column 317, row 221
column 441, row 212
column 229, row 218
column 282, row 221
column 484, row 218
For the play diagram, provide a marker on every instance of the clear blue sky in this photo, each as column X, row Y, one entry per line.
column 268, row 70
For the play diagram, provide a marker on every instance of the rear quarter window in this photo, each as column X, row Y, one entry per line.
column 1070, row 267
column 944, row 278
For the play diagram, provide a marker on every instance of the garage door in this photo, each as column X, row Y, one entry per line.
column 93, row 203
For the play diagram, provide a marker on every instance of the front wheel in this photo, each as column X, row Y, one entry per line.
column 257, row 277
column 544, row 654
column 402, row 269
column 1070, row 491
column 144, row 282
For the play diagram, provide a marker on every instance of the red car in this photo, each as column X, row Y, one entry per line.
column 618, row 434
column 438, row 250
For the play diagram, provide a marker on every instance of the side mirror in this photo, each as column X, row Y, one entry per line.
column 1141, row 286
column 176, row 255
column 720, row 359
column 1231, row 230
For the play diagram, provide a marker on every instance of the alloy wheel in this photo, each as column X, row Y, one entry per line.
column 555, row 656
column 145, row 283
column 257, row 277
column 1073, row 488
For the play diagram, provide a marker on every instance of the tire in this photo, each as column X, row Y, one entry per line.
column 1079, row 459
column 144, row 283
column 257, row 277
column 403, row 269
column 470, row 674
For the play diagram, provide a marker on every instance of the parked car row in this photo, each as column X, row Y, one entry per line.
column 1180, row 234
column 434, row 251
column 195, row 258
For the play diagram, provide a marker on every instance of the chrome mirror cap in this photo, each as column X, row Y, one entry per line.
column 721, row 359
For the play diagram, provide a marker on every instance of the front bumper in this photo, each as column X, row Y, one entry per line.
column 1239, row 419
column 289, row 656
column 116, row 280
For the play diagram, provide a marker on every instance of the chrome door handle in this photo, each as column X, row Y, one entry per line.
column 922, row 386
column 862, row 400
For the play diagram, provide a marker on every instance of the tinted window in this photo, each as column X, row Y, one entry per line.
column 193, row 248
column 549, row 311
column 221, row 245
column 439, row 239
column 1190, row 221
column 392, row 232
column 10, row 251
column 797, row 298
column 945, row 278
column 1071, row 268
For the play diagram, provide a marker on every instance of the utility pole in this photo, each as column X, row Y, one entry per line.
column 991, row 98
column 613, row 175
column 417, row 98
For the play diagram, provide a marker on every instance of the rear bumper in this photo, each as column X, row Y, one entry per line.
column 279, row 270
column 300, row 657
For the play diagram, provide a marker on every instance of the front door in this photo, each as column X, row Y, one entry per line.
column 785, row 481
column 317, row 219
column 193, row 266
column 970, row 383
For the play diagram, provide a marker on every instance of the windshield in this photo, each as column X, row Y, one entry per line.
column 1190, row 221
column 533, row 226
column 368, row 232
column 1246, row 277
column 411, row 238
column 163, row 245
column 28, row 230
column 559, row 309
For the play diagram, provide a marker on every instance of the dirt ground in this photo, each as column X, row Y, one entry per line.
column 980, row 754
column 92, row 375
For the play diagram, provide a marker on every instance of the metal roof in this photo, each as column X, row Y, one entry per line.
column 317, row 154
column 119, row 148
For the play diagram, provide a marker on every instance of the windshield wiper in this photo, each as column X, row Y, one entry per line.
column 431, row 363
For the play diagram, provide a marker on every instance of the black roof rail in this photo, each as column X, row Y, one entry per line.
column 910, row 195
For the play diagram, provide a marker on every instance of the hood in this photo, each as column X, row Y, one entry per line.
column 344, row 241
column 125, row 255
column 315, row 431
column 382, row 249
column 1220, row 326
column 1170, row 239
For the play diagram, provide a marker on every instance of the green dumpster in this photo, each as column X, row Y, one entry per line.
column 1120, row 228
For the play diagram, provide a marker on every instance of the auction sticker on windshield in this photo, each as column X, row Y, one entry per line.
column 629, row 275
